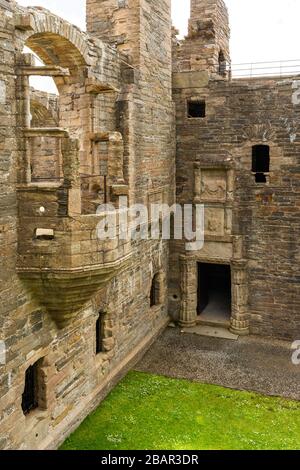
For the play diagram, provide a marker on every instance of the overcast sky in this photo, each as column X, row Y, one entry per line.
column 261, row 30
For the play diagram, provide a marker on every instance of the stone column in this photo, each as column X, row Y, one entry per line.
column 240, row 316
column 189, row 278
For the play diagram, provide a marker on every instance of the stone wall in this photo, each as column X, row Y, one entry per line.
column 252, row 226
column 112, row 120
column 111, row 133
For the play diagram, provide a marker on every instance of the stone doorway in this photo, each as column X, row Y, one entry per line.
column 214, row 294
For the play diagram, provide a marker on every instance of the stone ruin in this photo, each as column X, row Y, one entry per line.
column 143, row 115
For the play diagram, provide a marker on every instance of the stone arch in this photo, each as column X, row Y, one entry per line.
column 56, row 41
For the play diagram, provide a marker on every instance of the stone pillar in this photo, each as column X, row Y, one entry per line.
column 240, row 316
column 189, row 281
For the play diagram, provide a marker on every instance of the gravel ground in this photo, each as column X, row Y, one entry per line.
column 251, row 363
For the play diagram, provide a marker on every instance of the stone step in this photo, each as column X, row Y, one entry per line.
column 214, row 323
column 211, row 331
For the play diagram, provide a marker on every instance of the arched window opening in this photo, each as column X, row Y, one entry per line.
column 32, row 397
column 41, row 83
column 100, row 333
column 261, row 162
column 66, row 60
column 222, row 64
column 43, row 150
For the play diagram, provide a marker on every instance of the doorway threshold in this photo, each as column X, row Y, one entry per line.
column 213, row 319
column 211, row 331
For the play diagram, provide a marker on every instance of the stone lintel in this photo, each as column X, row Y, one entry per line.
column 46, row 132
column 213, row 166
column 183, row 80
column 120, row 190
column 44, row 71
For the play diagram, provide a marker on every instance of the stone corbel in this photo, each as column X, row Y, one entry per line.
column 95, row 87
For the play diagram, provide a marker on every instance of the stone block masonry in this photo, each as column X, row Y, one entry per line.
column 62, row 156
column 75, row 311
column 251, row 218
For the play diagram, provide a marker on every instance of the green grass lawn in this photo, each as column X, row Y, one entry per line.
column 148, row 412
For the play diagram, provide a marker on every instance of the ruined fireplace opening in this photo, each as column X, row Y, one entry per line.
column 214, row 293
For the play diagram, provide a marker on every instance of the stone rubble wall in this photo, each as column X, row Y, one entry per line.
column 214, row 167
column 111, row 132
column 107, row 106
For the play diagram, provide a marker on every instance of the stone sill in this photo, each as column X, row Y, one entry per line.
column 156, row 308
column 33, row 418
column 44, row 185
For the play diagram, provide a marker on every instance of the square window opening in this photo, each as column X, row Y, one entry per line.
column 196, row 109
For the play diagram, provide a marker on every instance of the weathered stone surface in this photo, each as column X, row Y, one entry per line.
column 110, row 131
column 60, row 157
column 214, row 167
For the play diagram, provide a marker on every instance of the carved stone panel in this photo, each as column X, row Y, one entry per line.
column 214, row 221
column 213, row 185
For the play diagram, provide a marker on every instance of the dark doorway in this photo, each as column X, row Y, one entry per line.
column 214, row 292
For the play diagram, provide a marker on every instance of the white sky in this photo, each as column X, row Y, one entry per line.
column 261, row 30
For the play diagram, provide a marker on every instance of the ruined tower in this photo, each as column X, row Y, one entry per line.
column 116, row 22
column 138, row 28
column 207, row 45
column 141, row 31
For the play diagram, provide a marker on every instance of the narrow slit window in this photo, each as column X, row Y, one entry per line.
column 196, row 109
column 30, row 394
column 155, row 291
column 261, row 162
column 99, row 333
column 222, row 64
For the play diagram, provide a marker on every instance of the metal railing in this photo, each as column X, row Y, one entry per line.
column 264, row 69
